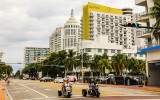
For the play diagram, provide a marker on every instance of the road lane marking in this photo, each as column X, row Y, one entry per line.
column 77, row 89
column 47, row 89
column 35, row 91
column 39, row 98
column 10, row 98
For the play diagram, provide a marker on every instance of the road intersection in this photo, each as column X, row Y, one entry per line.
column 35, row 90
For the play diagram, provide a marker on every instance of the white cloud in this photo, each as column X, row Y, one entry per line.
column 30, row 22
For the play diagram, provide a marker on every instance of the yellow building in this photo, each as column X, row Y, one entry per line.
column 98, row 8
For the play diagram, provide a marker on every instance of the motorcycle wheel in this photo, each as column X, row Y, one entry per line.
column 98, row 94
column 59, row 93
column 69, row 95
column 84, row 93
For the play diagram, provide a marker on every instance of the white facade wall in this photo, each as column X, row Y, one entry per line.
column 56, row 40
column 66, row 37
column 99, row 46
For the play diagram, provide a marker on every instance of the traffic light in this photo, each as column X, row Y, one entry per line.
column 131, row 25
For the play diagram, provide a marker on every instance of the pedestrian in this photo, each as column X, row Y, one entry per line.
column 74, row 80
column 8, row 81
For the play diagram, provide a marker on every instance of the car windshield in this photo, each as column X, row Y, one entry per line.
column 59, row 78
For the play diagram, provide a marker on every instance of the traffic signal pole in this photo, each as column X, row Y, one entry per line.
column 136, row 25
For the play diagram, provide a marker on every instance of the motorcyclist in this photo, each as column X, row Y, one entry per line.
column 91, row 84
column 65, row 84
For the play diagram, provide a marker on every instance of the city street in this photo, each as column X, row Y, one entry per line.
column 35, row 90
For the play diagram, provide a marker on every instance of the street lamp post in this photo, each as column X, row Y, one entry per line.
column 82, row 64
column 81, row 61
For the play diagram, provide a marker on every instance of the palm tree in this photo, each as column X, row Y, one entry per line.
column 105, row 56
column 142, row 66
column 95, row 62
column 104, row 64
column 70, row 61
column 155, row 14
column 118, row 63
column 86, row 60
column 61, row 57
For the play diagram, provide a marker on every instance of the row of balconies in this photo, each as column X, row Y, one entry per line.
column 141, row 2
column 139, row 17
column 139, row 48
column 143, row 33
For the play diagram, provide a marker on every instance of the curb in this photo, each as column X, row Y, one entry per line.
column 142, row 89
column 1, row 91
column 2, row 95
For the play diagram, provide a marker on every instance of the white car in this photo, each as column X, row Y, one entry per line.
column 58, row 80
column 72, row 78
column 24, row 78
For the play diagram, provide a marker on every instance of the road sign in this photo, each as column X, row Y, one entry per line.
column 62, row 66
column 157, row 64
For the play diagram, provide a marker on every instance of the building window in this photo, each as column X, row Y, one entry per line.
column 74, row 41
column 68, row 42
column 88, row 49
column 119, row 51
column 99, row 50
column 71, row 41
column 135, row 55
column 141, row 55
column 129, row 54
column 72, row 31
column 105, row 51
column 98, row 15
column 112, row 51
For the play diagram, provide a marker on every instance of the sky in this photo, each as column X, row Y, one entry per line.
column 30, row 22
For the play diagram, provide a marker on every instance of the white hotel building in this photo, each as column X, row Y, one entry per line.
column 101, row 34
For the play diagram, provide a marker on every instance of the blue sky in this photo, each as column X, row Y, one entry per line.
column 31, row 22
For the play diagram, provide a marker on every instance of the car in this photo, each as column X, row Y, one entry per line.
column 32, row 78
column 46, row 79
column 24, row 78
column 58, row 80
column 72, row 78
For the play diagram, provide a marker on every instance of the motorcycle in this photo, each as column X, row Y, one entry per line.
column 95, row 91
column 67, row 92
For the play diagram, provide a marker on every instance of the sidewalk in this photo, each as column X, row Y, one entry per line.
column 144, row 88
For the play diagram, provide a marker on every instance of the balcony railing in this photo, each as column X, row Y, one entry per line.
column 139, row 15
column 139, row 48
column 141, row 32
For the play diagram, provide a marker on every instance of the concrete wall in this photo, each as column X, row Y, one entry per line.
column 153, row 55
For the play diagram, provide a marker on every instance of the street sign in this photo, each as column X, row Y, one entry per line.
column 157, row 64
column 62, row 66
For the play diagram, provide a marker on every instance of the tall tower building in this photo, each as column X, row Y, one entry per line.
column 65, row 38
column 71, row 32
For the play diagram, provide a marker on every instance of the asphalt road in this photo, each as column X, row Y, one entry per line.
column 35, row 90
